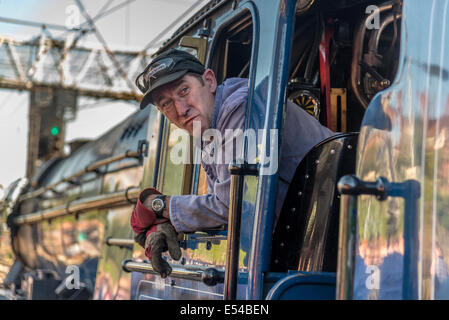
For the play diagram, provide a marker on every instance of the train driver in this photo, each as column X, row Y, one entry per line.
column 188, row 95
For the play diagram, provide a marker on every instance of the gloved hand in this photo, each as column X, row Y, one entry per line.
column 160, row 238
column 155, row 235
column 142, row 217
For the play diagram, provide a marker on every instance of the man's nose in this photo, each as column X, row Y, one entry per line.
column 182, row 107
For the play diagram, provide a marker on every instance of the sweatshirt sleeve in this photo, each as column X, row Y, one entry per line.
column 189, row 213
column 192, row 212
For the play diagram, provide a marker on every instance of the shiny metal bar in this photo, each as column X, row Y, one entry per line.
column 89, row 168
column 233, row 241
column 346, row 247
column 178, row 271
column 238, row 173
column 373, row 44
column 98, row 164
column 128, row 243
column 103, row 201
column 351, row 187
column 411, row 192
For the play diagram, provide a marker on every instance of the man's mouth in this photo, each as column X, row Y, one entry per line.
column 189, row 120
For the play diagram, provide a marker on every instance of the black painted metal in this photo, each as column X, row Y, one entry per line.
column 212, row 277
column 306, row 234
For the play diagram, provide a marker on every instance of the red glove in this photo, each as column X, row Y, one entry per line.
column 154, row 235
column 143, row 218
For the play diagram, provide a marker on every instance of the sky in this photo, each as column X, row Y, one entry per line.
column 132, row 27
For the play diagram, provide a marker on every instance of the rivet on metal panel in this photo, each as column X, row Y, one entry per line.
column 317, row 161
column 349, row 147
column 307, row 176
column 204, row 31
column 293, row 209
column 287, row 227
column 332, row 151
column 299, row 193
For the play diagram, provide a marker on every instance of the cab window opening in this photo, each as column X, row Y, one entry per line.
column 337, row 66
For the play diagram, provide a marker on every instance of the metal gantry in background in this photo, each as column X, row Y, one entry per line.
column 54, row 63
column 54, row 68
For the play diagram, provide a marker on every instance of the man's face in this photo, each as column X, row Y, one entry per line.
column 187, row 100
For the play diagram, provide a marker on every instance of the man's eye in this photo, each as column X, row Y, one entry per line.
column 165, row 103
column 184, row 90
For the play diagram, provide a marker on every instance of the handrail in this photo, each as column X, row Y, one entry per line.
column 89, row 168
column 350, row 187
column 118, row 242
column 103, row 201
column 347, row 236
column 238, row 172
column 209, row 276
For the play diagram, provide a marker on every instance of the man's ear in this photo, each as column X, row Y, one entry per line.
column 210, row 80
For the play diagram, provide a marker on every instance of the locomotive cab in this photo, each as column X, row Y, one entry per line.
column 318, row 54
column 319, row 72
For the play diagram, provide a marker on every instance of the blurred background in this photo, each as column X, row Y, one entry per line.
column 88, row 53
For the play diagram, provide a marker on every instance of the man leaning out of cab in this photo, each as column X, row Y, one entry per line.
column 187, row 93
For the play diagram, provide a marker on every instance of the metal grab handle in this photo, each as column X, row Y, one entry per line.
column 89, row 168
column 238, row 172
column 118, row 242
column 351, row 187
column 381, row 188
column 346, row 247
column 209, row 276
column 233, row 240
column 102, row 201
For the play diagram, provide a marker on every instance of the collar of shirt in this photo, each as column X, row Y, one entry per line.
column 217, row 105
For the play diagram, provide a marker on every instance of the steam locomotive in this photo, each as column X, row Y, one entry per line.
column 364, row 217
